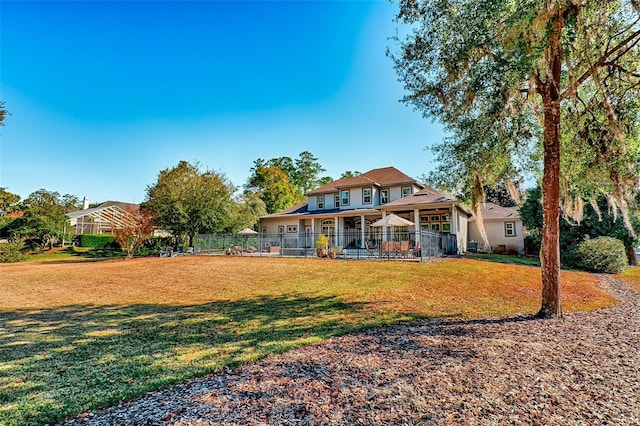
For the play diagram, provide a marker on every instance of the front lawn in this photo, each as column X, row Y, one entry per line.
column 75, row 336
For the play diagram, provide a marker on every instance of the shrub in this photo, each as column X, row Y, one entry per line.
column 501, row 249
column 532, row 245
column 11, row 252
column 96, row 241
column 511, row 250
column 602, row 254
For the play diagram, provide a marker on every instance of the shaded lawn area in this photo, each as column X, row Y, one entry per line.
column 74, row 254
column 631, row 275
column 503, row 258
column 77, row 336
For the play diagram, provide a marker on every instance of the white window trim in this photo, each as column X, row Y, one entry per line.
column 402, row 194
column 513, row 229
column 364, row 201
column 385, row 191
column 320, row 202
column 342, row 197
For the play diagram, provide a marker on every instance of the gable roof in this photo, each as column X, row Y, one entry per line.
column 386, row 176
column 491, row 211
column 427, row 195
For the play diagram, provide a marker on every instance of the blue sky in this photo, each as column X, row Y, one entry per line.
column 104, row 95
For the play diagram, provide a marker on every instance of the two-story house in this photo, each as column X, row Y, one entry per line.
column 346, row 208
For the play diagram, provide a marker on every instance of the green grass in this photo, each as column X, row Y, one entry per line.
column 76, row 336
column 507, row 259
column 74, row 254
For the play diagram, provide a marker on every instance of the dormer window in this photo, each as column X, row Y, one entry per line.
column 406, row 191
column 320, row 202
column 337, row 201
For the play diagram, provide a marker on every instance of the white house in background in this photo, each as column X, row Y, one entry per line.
column 503, row 226
column 345, row 209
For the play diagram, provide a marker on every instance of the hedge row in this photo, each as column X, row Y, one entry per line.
column 96, row 241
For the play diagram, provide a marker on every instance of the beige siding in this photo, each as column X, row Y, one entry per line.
column 496, row 234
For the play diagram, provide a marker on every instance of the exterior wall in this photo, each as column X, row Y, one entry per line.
column 496, row 234
column 356, row 199
column 312, row 203
column 462, row 231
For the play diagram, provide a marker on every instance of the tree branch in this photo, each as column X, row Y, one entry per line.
column 574, row 86
column 621, row 68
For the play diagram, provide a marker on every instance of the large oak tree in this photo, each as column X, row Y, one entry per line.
column 519, row 84
column 187, row 201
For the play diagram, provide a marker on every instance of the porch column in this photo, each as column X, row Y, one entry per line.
column 416, row 225
column 384, row 228
column 454, row 220
column 363, row 231
column 336, row 242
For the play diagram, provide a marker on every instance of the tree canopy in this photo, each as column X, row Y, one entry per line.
column 547, row 88
column 282, row 182
column 44, row 220
column 187, row 201
column 8, row 201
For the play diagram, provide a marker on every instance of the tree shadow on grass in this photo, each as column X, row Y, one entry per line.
column 55, row 363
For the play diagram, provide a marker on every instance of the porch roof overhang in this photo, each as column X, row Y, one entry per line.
column 326, row 214
column 448, row 205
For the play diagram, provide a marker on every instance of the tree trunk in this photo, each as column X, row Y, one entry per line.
column 631, row 256
column 550, row 252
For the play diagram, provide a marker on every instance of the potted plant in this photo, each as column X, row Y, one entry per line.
column 332, row 252
column 321, row 245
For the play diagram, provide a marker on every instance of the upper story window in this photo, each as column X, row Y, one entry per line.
column 337, row 201
column 384, row 196
column 345, row 197
column 406, row 190
column 366, row 195
column 320, row 202
column 510, row 229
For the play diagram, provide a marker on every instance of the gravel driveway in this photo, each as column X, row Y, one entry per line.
column 583, row 370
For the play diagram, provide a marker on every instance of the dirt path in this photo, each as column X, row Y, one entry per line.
column 584, row 369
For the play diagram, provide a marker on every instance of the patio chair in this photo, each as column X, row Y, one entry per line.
column 404, row 249
column 387, row 249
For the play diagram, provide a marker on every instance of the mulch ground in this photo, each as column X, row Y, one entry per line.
column 582, row 370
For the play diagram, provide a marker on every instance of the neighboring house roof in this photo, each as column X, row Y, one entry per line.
column 386, row 176
column 492, row 211
column 123, row 206
column 111, row 212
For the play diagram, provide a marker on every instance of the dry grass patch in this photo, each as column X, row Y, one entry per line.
column 631, row 275
column 74, row 336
